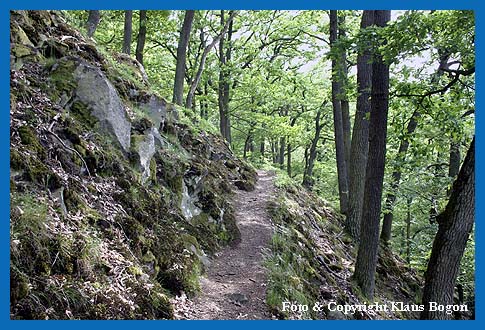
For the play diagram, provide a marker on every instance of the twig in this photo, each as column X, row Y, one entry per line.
column 71, row 149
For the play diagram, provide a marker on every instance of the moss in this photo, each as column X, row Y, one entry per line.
column 16, row 160
column 62, row 79
column 29, row 138
column 83, row 114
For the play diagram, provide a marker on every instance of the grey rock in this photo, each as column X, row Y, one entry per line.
column 99, row 95
column 160, row 111
column 238, row 298
column 146, row 150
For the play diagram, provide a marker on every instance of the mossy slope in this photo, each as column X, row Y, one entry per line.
column 95, row 235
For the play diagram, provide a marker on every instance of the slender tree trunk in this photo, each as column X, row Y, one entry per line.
column 311, row 154
column 203, row 58
column 288, row 159
column 408, row 231
column 128, row 30
column 360, row 136
column 396, row 178
column 224, row 80
column 337, row 118
column 455, row 224
column 281, row 157
column 178, row 88
column 365, row 267
column 344, row 103
column 261, row 147
column 142, row 33
column 92, row 23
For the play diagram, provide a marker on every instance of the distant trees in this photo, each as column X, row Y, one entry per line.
column 369, row 237
column 455, row 224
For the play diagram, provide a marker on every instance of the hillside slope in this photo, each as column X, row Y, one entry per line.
column 115, row 203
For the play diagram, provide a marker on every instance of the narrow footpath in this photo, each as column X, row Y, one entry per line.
column 235, row 284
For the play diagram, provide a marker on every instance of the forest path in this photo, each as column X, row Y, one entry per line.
column 234, row 286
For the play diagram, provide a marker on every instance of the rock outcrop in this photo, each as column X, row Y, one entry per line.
column 103, row 175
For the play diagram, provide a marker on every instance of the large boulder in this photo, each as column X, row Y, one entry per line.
column 99, row 95
column 87, row 93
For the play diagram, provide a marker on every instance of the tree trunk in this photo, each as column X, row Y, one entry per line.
column 288, row 159
column 396, row 178
column 454, row 159
column 408, row 231
column 311, row 154
column 337, row 118
column 261, row 147
column 344, row 103
column 178, row 88
column 203, row 58
column 360, row 136
column 92, row 23
column 142, row 33
column 455, row 224
column 281, row 157
column 224, row 80
column 127, row 31
column 369, row 237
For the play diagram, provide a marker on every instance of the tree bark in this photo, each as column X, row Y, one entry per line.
column 337, row 118
column 455, row 224
column 92, row 23
column 198, row 75
column 369, row 237
column 360, row 136
column 454, row 159
column 281, row 157
column 311, row 154
column 127, row 31
column 178, row 88
column 142, row 33
column 408, row 231
column 344, row 103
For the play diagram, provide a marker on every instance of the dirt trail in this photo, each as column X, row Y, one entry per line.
column 235, row 284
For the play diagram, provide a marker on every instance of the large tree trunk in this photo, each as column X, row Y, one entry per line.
column 142, row 33
column 360, row 136
column 127, row 31
column 455, row 224
column 92, row 23
column 224, row 81
column 178, row 87
column 337, row 118
column 396, row 178
column 365, row 267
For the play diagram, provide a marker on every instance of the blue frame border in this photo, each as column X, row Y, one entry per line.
column 6, row 5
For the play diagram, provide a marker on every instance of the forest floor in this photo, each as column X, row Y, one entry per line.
column 234, row 286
